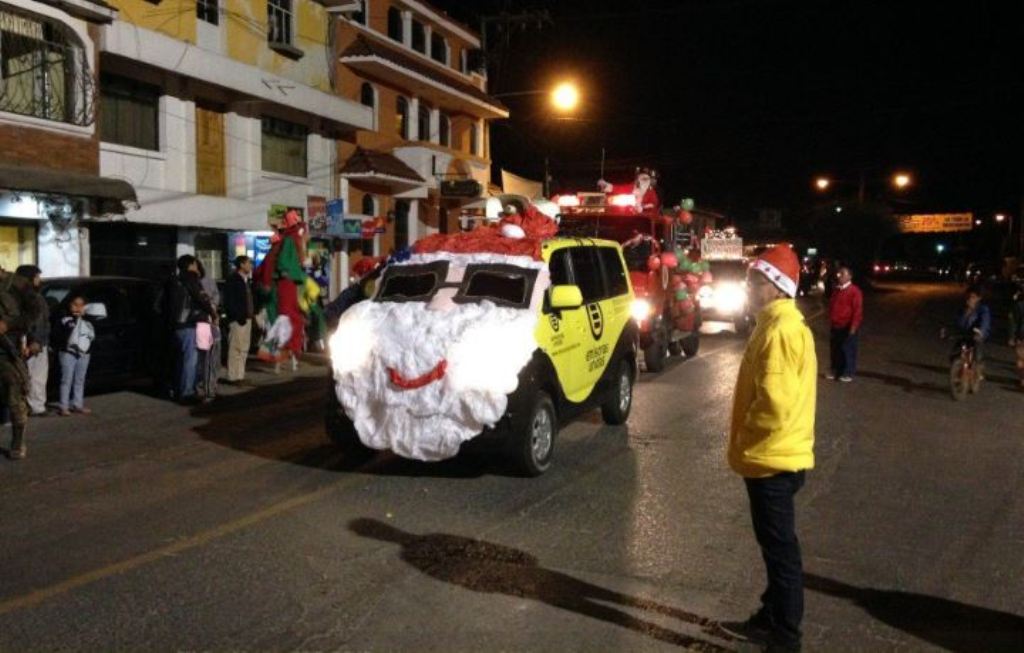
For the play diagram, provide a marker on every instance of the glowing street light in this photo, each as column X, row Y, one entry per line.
column 901, row 180
column 940, row 248
column 565, row 97
column 1000, row 217
column 822, row 183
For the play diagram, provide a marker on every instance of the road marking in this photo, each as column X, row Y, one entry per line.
column 36, row 597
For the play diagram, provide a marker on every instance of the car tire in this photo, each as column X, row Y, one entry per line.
column 342, row 432
column 615, row 410
column 656, row 353
column 534, row 439
column 691, row 344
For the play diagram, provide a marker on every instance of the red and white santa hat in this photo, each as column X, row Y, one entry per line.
column 781, row 266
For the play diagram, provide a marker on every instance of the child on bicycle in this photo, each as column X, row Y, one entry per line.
column 975, row 322
column 1017, row 329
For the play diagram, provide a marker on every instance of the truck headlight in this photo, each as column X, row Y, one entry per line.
column 640, row 309
column 730, row 297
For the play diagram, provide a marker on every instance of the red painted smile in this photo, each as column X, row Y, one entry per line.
column 424, row 379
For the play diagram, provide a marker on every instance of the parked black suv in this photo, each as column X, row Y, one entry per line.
column 128, row 340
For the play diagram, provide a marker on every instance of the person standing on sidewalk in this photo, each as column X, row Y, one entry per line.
column 846, row 313
column 238, row 303
column 1017, row 329
column 75, row 337
column 38, row 342
column 185, row 305
column 771, row 442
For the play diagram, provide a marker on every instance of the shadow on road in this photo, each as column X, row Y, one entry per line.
column 990, row 364
column 948, row 624
column 483, row 566
column 285, row 422
column 904, row 383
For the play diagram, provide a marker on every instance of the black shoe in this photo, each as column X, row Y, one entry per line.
column 757, row 629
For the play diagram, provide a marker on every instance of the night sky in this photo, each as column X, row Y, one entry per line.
column 739, row 103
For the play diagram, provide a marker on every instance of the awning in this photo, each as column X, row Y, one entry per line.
column 112, row 193
column 177, row 209
column 381, row 169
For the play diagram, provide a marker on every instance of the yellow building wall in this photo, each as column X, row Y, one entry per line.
column 175, row 18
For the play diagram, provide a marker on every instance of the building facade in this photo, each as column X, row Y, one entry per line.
column 221, row 114
column 49, row 134
column 427, row 151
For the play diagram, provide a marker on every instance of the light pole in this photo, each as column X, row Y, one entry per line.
column 564, row 98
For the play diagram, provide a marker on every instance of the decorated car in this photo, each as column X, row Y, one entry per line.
column 490, row 338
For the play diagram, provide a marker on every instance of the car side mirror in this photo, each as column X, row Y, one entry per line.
column 566, row 297
column 96, row 310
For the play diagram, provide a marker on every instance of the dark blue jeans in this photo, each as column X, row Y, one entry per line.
column 187, row 360
column 844, row 352
column 774, row 517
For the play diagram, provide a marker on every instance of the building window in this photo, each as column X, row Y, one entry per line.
column 206, row 10
column 444, row 130
column 401, row 223
column 424, row 122
column 474, row 140
column 419, row 37
column 369, row 205
column 464, row 63
column 368, row 98
column 279, row 22
column 438, row 48
column 283, row 147
column 395, row 24
column 44, row 72
column 130, row 113
column 402, row 117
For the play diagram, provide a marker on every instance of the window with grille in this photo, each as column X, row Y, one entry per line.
column 44, row 72
column 402, row 117
column 279, row 22
column 438, row 48
column 395, row 24
column 283, row 147
column 424, row 123
column 130, row 112
column 207, row 10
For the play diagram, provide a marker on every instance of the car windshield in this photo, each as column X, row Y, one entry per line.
column 636, row 254
column 55, row 294
column 729, row 270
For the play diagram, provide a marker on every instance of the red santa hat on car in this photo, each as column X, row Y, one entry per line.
column 781, row 266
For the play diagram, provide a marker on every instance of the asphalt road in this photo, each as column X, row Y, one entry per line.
column 147, row 526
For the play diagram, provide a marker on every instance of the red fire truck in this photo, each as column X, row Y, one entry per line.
column 650, row 244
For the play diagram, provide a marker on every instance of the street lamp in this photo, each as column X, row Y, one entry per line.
column 901, row 180
column 565, row 97
column 822, row 183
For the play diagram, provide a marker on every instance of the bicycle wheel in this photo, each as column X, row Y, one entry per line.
column 959, row 379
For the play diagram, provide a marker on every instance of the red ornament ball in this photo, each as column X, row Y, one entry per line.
column 669, row 260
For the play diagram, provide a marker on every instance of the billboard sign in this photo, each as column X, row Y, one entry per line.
column 935, row 223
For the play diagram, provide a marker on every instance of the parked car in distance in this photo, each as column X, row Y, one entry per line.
column 128, row 334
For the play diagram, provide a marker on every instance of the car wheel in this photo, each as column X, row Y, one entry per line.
column 656, row 353
column 691, row 344
column 615, row 410
column 342, row 432
column 534, row 440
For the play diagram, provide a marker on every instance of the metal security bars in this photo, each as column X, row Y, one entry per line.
column 44, row 72
column 279, row 22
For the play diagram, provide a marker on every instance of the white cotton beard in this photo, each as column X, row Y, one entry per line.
column 485, row 347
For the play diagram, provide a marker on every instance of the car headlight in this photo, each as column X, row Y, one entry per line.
column 640, row 309
column 351, row 343
column 730, row 297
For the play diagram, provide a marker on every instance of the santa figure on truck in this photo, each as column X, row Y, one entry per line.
column 642, row 189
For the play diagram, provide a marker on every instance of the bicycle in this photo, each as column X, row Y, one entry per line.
column 964, row 371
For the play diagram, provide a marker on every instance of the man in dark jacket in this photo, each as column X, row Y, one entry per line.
column 17, row 312
column 37, row 339
column 238, row 303
column 185, row 304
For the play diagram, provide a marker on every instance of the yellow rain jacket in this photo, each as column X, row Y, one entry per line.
column 773, row 407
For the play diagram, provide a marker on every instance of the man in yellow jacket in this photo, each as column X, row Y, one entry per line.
column 771, row 441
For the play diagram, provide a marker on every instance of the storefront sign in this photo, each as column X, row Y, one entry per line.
column 935, row 223
column 316, row 214
column 461, row 188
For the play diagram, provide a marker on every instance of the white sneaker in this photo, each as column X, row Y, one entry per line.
column 830, row 376
column 295, row 364
column 846, row 379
